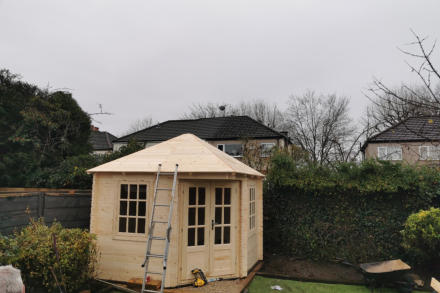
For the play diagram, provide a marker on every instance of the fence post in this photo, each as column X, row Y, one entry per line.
column 41, row 204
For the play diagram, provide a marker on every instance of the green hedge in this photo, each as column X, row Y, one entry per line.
column 350, row 211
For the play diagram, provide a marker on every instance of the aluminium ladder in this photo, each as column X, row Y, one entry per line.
column 152, row 237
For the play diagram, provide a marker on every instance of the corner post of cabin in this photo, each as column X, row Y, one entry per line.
column 244, row 211
column 260, row 218
column 93, row 207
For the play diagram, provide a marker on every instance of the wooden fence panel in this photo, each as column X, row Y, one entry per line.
column 69, row 207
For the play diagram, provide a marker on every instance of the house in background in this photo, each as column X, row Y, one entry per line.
column 228, row 134
column 416, row 140
column 101, row 141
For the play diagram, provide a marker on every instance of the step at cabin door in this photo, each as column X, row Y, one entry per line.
column 209, row 229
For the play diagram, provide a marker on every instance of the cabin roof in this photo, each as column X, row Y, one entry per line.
column 190, row 152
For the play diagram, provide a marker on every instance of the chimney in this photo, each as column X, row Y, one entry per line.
column 285, row 133
column 94, row 128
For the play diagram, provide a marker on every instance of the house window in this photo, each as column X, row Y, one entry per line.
column 429, row 153
column 389, row 153
column 252, row 209
column 132, row 208
column 266, row 149
column 232, row 149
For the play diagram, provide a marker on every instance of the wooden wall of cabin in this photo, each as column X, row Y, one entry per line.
column 121, row 254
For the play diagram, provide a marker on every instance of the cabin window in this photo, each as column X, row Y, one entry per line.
column 252, row 209
column 266, row 149
column 222, row 216
column 132, row 208
column 429, row 153
column 389, row 153
column 196, row 216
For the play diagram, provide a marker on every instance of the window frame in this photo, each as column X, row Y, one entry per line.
column 129, row 235
column 388, row 154
column 252, row 209
column 429, row 152
column 226, row 144
column 262, row 155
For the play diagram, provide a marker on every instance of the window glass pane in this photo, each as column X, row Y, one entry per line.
column 192, row 195
column 227, row 211
column 266, row 149
column 122, row 224
column 191, row 216
column 227, row 196
column 124, row 190
column 142, row 208
column 142, row 191
column 218, row 235
column 382, row 153
column 234, row 149
column 218, row 215
column 122, row 207
column 132, row 209
column 201, row 236
column 191, row 236
column 201, row 216
column 201, row 195
column 141, row 225
column 226, row 235
column 131, row 225
column 133, row 191
column 218, row 196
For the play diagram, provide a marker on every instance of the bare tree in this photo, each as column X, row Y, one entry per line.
column 263, row 112
column 321, row 126
column 393, row 105
column 139, row 124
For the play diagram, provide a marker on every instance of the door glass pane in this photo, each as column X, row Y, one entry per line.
column 122, row 207
column 142, row 208
column 192, row 196
column 191, row 236
column 122, row 224
column 201, row 195
column 200, row 236
column 218, row 215
column 132, row 210
column 141, row 225
column 227, row 219
column 218, row 235
column 227, row 196
column 133, row 191
column 201, row 216
column 226, row 235
column 218, row 196
column 124, row 190
column 131, row 225
column 191, row 216
column 142, row 191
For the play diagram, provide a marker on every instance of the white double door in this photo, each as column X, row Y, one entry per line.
column 209, row 230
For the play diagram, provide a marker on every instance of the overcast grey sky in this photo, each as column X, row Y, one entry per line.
column 156, row 58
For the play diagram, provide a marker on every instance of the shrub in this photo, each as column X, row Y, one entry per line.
column 350, row 211
column 421, row 236
column 69, row 263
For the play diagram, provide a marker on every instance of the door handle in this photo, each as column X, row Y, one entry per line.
column 212, row 224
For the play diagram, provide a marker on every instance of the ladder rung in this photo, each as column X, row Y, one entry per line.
column 158, row 238
column 164, row 189
column 160, row 222
column 151, row 291
column 161, row 205
column 154, row 273
column 155, row 255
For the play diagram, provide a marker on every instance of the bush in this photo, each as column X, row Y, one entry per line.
column 350, row 211
column 69, row 263
column 421, row 236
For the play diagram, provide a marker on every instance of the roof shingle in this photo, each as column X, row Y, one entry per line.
column 101, row 140
column 231, row 127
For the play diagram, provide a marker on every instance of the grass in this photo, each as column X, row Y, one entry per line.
column 263, row 284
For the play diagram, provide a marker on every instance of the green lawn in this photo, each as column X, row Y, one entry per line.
column 263, row 284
